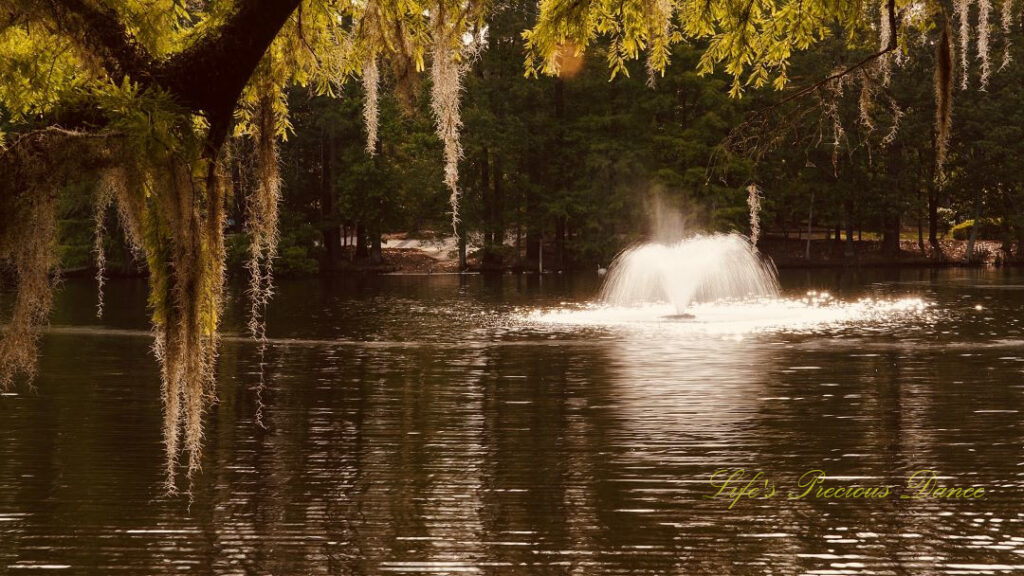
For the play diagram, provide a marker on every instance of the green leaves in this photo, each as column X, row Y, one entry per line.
column 38, row 71
column 751, row 40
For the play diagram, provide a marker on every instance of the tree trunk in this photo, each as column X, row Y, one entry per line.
column 920, row 224
column 1020, row 239
column 376, row 250
column 891, row 237
column 362, row 251
column 499, row 202
column 933, row 204
column 848, row 222
column 328, row 226
column 485, row 193
column 560, row 226
column 933, row 216
column 974, row 229
column 810, row 223
column 462, row 248
column 920, row 217
column 533, row 228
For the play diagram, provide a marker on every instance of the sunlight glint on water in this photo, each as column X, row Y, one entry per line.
column 726, row 317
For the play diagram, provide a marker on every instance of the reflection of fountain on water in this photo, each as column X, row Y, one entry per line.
column 697, row 269
column 666, row 394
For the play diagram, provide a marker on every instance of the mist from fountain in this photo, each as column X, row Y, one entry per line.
column 703, row 268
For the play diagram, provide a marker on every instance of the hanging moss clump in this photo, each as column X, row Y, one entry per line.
column 37, row 166
column 446, row 74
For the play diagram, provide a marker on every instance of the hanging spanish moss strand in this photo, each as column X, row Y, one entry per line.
column 446, row 75
column 105, row 194
column 754, row 204
column 262, row 217
column 183, row 230
column 870, row 85
column 830, row 97
column 865, row 101
column 984, row 18
column 894, row 128
column 943, row 98
column 34, row 261
column 36, row 166
column 371, row 103
column 1006, row 20
column 885, row 33
column 128, row 184
column 963, row 13
column 262, row 227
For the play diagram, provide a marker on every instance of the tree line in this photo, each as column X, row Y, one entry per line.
column 579, row 166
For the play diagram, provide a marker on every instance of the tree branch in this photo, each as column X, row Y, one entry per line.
column 103, row 33
column 759, row 122
column 211, row 73
column 208, row 76
column 890, row 47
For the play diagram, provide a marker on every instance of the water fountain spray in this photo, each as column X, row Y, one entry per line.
column 702, row 268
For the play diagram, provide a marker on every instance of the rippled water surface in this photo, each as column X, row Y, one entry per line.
column 452, row 425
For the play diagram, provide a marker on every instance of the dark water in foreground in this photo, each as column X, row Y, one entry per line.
column 422, row 425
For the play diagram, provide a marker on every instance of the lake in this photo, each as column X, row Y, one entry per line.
column 479, row 425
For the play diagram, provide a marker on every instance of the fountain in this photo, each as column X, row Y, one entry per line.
column 703, row 268
column 722, row 286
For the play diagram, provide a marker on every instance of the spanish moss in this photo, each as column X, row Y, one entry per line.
column 371, row 103
column 262, row 217
column 963, row 14
column 185, row 251
column 754, row 205
column 446, row 74
column 984, row 17
column 105, row 194
column 1006, row 23
column 31, row 246
column 885, row 37
column 261, row 222
column 943, row 98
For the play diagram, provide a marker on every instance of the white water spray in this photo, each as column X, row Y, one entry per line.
column 697, row 269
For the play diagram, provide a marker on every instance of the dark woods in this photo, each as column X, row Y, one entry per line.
column 574, row 166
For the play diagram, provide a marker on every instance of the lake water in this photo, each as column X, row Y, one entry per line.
column 449, row 425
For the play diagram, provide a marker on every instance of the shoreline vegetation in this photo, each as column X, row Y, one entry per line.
column 402, row 255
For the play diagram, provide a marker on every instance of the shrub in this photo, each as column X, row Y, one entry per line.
column 297, row 253
column 988, row 229
column 946, row 220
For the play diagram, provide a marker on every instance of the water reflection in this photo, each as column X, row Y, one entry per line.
column 415, row 428
column 698, row 391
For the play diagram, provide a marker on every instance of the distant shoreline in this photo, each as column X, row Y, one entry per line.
column 785, row 253
column 829, row 253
